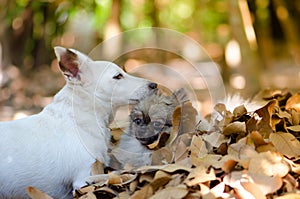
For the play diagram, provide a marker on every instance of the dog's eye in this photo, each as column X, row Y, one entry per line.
column 157, row 125
column 118, row 76
column 138, row 121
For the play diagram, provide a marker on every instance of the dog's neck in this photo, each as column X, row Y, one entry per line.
column 90, row 117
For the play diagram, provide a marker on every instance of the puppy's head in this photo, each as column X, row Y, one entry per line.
column 107, row 81
column 153, row 115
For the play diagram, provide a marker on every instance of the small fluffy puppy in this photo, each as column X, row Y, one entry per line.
column 148, row 118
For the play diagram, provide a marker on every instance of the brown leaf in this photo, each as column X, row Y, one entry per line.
column 229, row 165
column 293, row 102
column 188, row 118
column 239, row 111
column 180, row 149
column 234, row 179
column 171, row 193
column 241, row 152
column 257, row 138
column 85, row 190
column 198, row 147
column 215, row 139
column 160, row 142
column 170, row 168
column 97, row 168
column 122, row 195
column 162, row 156
column 114, row 178
column 295, row 117
column 266, row 184
column 199, row 175
column 161, row 178
column 209, row 160
column 144, row 193
column 289, row 196
column 127, row 178
column 253, row 189
column 235, row 128
column 261, row 120
column 146, row 178
column 286, row 144
column 294, row 128
column 269, row 94
column 35, row 193
column 257, row 185
column 226, row 115
column 268, row 163
column 88, row 195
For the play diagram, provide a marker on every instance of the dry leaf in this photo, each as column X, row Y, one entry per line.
column 122, row 195
column 293, row 102
column 171, row 193
column 261, row 120
column 198, row 148
column 209, row 160
column 84, row 190
column 175, row 167
column 105, row 192
column 215, row 139
column 286, row 144
column 235, row 128
column 239, row 111
column 162, row 156
column 260, row 144
column 241, row 151
column 229, row 165
column 127, row 178
column 160, row 142
column 268, row 163
column 266, row 184
column 88, row 195
column 35, row 193
column 199, row 175
column 289, row 196
column 253, row 189
column 295, row 117
column 295, row 128
column 257, row 138
column 160, row 179
column 234, row 179
column 97, row 168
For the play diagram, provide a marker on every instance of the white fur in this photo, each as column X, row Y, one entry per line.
column 55, row 149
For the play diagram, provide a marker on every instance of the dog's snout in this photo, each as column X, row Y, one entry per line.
column 153, row 85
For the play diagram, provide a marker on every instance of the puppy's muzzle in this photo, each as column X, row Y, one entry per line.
column 148, row 140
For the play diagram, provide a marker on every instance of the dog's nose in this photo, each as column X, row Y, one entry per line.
column 153, row 85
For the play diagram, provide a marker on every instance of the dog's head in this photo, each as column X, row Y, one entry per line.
column 107, row 81
column 153, row 115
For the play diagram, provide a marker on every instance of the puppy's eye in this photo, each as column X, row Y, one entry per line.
column 118, row 76
column 138, row 121
column 157, row 125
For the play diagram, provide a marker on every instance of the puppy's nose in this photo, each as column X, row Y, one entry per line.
column 153, row 85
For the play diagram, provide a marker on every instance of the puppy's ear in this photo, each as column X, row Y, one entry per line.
column 180, row 96
column 68, row 62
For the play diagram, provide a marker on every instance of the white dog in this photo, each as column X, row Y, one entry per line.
column 55, row 149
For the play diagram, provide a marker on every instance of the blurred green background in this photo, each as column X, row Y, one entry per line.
column 255, row 42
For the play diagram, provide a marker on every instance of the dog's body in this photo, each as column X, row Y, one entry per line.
column 55, row 149
column 150, row 117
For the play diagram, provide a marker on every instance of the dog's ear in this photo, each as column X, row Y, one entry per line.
column 68, row 62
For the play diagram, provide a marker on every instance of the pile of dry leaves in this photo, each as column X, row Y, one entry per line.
column 244, row 155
